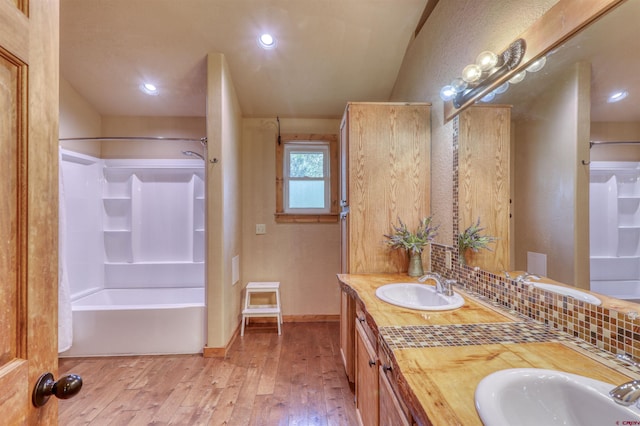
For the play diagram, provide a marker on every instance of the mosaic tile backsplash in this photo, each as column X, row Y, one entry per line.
column 430, row 336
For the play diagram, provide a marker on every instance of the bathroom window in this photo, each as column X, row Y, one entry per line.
column 306, row 180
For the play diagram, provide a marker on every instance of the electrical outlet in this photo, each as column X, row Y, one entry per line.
column 261, row 228
column 447, row 259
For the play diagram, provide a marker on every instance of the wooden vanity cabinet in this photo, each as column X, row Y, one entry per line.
column 366, row 376
column 347, row 334
column 377, row 398
column 384, row 174
column 391, row 412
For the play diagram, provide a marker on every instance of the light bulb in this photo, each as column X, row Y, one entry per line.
column 471, row 73
column 518, row 77
column 537, row 65
column 489, row 97
column 458, row 85
column 502, row 88
column 447, row 93
column 487, row 60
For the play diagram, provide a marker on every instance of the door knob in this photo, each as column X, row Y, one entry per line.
column 64, row 388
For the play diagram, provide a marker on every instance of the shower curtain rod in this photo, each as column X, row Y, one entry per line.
column 592, row 143
column 139, row 138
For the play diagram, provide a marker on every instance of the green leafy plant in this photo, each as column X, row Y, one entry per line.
column 472, row 239
column 413, row 242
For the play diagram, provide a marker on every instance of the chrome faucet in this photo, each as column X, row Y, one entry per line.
column 627, row 393
column 443, row 286
column 523, row 278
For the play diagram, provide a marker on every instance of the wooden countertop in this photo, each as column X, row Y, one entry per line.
column 363, row 287
column 438, row 383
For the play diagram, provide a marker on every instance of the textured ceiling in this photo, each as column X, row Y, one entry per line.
column 329, row 52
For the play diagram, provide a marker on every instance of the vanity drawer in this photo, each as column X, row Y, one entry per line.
column 365, row 321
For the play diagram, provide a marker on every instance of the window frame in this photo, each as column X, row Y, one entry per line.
column 281, row 215
column 307, row 147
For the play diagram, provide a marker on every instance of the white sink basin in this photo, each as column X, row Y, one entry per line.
column 418, row 296
column 566, row 291
column 531, row 396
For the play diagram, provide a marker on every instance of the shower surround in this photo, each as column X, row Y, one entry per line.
column 134, row 254
column 614, row 193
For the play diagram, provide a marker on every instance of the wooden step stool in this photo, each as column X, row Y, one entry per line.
column 261, row 310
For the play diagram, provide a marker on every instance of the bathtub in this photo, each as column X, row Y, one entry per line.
column 135, row 321
column 628, row 290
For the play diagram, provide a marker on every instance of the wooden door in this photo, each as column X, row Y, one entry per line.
column 28, row 205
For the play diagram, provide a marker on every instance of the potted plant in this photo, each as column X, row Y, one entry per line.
column 471, row 241
column 412, row 242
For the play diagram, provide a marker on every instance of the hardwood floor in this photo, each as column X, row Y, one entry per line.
column 293, row 379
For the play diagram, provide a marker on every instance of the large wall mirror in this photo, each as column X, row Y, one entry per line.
column 575, row 159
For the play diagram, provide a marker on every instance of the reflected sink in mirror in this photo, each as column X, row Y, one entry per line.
column 532, row 396
column 567, row 291
column 418, row 296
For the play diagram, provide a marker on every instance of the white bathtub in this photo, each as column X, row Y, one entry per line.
column 620, row 289
column 138, row 321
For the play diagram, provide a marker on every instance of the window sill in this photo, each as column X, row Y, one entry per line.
column 307, row 218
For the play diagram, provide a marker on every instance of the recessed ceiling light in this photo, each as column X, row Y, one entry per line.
column 149, row 88
column 618, row 96
column 267, row 41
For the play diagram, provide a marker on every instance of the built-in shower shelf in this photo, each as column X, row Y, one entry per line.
column 628, row 227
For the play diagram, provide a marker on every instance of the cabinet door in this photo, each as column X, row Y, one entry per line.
column 347, row 331
column 366, row 379
column 388, row 177
column 391, row 413
column 484, row 180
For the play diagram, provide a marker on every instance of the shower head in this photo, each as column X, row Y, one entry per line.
column 193, row 154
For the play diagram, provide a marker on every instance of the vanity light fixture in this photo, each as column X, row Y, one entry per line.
column 267, row 41
column 487, row 69
column 617, row 96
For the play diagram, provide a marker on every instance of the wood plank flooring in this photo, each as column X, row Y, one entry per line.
column 293, row 379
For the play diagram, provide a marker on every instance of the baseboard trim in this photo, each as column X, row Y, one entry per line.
column 311, row 318
column 297, row 318
column 208, row 352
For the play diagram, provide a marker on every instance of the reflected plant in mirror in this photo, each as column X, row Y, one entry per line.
column 471, row 241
